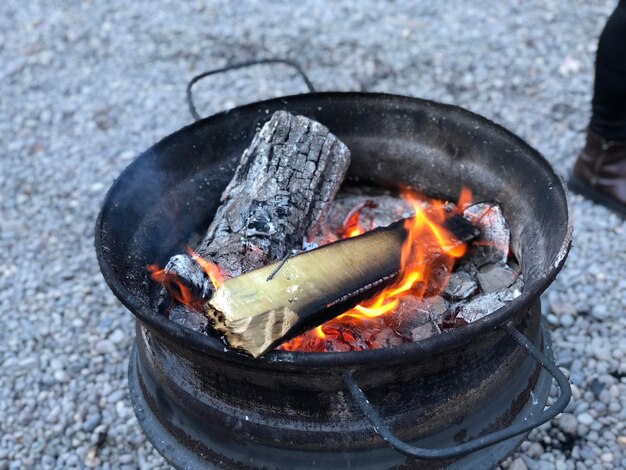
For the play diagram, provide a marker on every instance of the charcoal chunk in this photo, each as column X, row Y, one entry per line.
column 386, row 338
column 468, row 267
column 461, row 285
column 461, row 228
column 514, row 291
column 425, row 331
column 514, row 265
column 189, row 318
column 414, row 312
column 493, row 244
column 495, row 277
column 479, row 307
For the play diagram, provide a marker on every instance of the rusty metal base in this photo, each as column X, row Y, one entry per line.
column 227, row 454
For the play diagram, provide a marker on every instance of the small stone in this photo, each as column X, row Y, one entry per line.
column 585, row 418
column 518, row 464
column 117, row 336
column 621, row 441
column 602, row 353
column 61, row 376
column 97, row 187
column 126, row 459
column 600, row 312
column 55, row 364
column 104, row 347
column 91, row 422
column 567, row 320
column 568, row 423
column 607, row 457
column 535, row 450
column 20, row 366
column 116, row 396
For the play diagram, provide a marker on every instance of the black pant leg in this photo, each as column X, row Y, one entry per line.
column 609, row 98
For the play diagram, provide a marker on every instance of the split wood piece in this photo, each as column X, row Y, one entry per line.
column 280, row 192
column 256, row 314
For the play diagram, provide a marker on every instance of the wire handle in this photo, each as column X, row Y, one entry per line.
column 481, row 442
column 241, row 65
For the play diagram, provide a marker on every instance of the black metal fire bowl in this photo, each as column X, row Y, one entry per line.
column 475, row 387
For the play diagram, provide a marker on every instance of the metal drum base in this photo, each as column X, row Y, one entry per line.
column 227, row 454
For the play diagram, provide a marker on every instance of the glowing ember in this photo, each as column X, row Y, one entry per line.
column 428, row 256
column 179, row 291
column 352, row 226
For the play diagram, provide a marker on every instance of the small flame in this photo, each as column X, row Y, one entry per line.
column 351, row 226
column 181, row 292
column 176, row 288
column 465, row 199
column 211, row 269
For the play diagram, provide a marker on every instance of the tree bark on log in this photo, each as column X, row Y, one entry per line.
column 280, row 192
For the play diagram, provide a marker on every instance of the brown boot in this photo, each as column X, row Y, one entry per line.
column 600, row 173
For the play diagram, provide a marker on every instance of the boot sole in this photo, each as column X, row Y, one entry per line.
column 580, row 187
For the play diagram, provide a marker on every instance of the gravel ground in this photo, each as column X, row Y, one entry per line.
column 86, row 86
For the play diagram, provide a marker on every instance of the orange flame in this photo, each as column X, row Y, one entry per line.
column 211, row 269
column 423, row 230
column 428, row 246
column 178, row 289
column 351, row 226
column 465, row 199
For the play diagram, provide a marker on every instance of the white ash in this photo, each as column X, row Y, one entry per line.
column 495, row 237
column 84, row 90
column 489, row 301
column 513, row 291
column 480, row 306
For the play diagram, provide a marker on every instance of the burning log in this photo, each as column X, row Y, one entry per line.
column 281, row 189
column 257, row 311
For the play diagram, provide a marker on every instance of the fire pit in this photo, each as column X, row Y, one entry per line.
column 465, row 397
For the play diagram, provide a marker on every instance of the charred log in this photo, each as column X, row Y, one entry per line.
column 281, row 189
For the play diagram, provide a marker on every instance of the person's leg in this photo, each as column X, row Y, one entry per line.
column 609, row 95
column 600, row 170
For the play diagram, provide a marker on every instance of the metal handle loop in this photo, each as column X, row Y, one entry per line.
column 483, row 441
column 192, row 107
